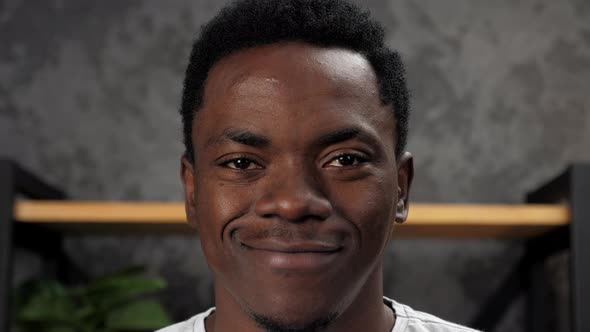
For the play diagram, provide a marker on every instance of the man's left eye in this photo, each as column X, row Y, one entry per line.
column 346, row 160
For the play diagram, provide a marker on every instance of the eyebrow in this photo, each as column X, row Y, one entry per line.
column 246, row 137
column 343, row 135
column 242, row 136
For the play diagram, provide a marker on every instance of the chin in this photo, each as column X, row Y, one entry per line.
column 284, row 308
column 291, row 302
column 294, row 311
column 290, row 322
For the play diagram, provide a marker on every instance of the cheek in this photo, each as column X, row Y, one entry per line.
column 216, row 204
column 369, row 206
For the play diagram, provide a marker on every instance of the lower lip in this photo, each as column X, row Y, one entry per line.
column 303, row 261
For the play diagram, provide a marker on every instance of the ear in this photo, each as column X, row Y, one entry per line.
column 187, row 176
column 405, row 174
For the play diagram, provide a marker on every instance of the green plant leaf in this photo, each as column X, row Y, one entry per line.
column 138, row 316
column 108, row 304
column 24, row 292
column 84, row 311
column 57, row 329
column 132, row 271
column 43, row 328
column 45, row 301
column 117, row 290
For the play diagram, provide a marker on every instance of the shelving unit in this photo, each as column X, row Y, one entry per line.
column 557, row 217
column 425, row 220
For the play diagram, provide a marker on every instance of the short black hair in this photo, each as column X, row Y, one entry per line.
column 328, row 23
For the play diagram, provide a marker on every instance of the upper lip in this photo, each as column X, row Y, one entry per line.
column 293, row 247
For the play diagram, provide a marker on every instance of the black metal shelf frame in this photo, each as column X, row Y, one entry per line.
column 14, row 181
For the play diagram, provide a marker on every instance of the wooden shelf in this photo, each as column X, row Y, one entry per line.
column 425, row 220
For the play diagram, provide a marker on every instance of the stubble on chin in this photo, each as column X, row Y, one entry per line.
column 274, row 324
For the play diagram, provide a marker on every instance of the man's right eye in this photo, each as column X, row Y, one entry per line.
column 241, row 164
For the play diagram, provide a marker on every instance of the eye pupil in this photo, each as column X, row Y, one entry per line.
column 346, row 160
column 242, row 163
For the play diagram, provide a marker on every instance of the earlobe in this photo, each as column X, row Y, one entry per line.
column 187, row 176
column 400, row 212
column 405, row 174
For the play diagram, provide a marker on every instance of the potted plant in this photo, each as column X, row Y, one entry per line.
column 113, row 303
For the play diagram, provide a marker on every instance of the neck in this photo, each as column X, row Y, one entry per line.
column 366, row 312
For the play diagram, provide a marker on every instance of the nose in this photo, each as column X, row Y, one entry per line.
column 294, row 197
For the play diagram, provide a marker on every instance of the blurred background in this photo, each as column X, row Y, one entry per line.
column 89, row 93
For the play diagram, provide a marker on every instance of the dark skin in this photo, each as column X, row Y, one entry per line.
column 295, row 188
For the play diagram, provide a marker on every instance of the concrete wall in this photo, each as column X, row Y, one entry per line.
column 89, row 93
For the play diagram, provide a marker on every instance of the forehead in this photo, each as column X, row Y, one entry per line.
column 264, row 69
column 294, row 63
column 296, row 81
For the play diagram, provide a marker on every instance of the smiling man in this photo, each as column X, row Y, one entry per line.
column 295, row 121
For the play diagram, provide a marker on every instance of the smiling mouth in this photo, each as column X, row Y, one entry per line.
column 293, row 257
column 294, row 248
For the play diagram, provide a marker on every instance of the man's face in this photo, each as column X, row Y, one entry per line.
column 295, row 184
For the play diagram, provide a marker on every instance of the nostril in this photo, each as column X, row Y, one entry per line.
column 296, row 202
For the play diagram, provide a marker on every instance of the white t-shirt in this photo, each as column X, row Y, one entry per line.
column 407, row 320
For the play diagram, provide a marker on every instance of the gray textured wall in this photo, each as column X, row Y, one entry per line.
column 501, row 96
